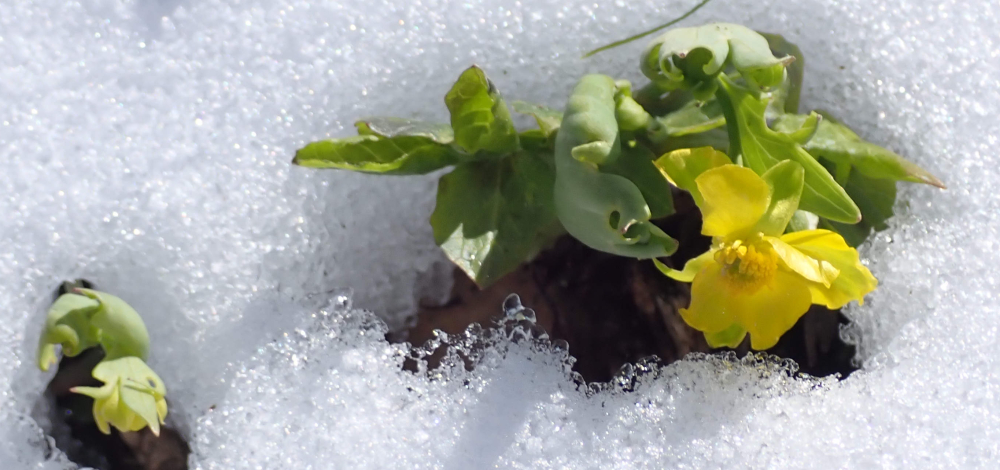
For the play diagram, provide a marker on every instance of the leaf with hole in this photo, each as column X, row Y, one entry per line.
column 479, row 116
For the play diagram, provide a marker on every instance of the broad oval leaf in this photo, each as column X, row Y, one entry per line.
column 493, row 215
column 763, row 148
column 479, row 117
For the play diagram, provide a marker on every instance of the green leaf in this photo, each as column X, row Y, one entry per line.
column 372, row 153
column 803, row 220
column 629, row 113
column 876, row 198
column 839, row 144
column 67, row 324
column 479, row 116
column 717, row 138
column 604, row 211
column 786, row 96
column 399, row 127
column 785, row 180
column 692, row 57
column 636, row 164
column 763, row 148
column 692, row 118
column 547, row 118
column 805, row 130
column 731, row 337
column 535, row 140
column 123, row 332
column 493, row 215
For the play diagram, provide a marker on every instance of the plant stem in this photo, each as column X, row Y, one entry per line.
column 729, row 111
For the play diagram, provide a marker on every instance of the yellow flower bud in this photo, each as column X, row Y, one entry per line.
column 132, row 396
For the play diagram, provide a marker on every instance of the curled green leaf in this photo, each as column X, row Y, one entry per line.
column 123, row 332
column 479, row 116
column 785, row 98
column 691, row 58
column 68, row 325
column 606, row 212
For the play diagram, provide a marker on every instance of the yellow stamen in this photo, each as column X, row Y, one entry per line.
column 748, row 265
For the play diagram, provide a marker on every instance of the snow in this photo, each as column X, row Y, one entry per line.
column 146, row 145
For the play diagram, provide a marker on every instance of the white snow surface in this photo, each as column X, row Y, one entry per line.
column 146, row 145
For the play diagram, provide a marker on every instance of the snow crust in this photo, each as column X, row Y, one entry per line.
column 146, row 143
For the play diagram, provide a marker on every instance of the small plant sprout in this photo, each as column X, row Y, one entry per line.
column 132, row 396
column 784, row 196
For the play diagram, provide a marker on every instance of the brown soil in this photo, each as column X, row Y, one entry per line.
column 614, row 310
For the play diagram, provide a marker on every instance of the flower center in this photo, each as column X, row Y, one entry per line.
column 747, row 265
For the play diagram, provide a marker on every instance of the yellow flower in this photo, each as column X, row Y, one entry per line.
column 131, row 398
column 755, row 279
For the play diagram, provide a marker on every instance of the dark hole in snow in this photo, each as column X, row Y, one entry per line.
column 616, row 312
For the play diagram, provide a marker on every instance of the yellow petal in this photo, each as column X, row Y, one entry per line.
column 100, row 419
column 712, row 308
column 854, row 280
column 691, row 268
column 774, row 308
column 729, row 338
column 161, row 409
column 682, row 166
column 734, row 199
column 815, row 270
